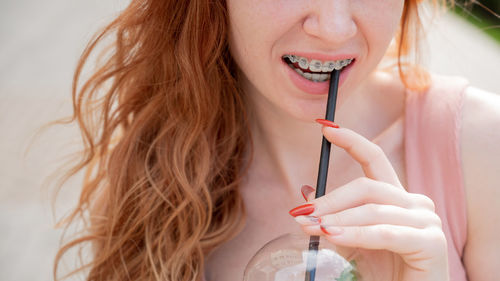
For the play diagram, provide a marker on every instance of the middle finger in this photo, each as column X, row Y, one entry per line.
column 363, row 191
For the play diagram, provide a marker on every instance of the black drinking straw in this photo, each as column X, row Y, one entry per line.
column 323, row 171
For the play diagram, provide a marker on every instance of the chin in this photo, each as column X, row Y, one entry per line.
column 307, row 110
column 310, row 110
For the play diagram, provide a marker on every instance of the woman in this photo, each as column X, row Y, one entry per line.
column 205, row 137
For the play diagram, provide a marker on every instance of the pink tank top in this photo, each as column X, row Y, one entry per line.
column 433, row 163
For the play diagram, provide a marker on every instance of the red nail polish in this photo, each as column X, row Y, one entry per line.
column 324, row 230
column 332, row 230
column 303, row 195
column 327, row 123
column 306, row 190
column 302, row 210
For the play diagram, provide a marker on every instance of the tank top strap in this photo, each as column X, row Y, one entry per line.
column 433, row 160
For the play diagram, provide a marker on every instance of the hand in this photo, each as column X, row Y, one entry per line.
column 398, row 232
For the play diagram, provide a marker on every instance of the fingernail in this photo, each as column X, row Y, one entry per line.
column 302, row 210
column 306, row 190
column 331, row 230
column 308, row 220
column 313, row 219
column 328, row 123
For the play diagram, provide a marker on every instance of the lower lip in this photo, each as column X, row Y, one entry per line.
column 315, row 88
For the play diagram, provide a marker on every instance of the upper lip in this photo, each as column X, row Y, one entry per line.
column 323, row 57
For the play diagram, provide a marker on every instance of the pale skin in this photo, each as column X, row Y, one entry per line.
column 366, row 195
column 375, row 212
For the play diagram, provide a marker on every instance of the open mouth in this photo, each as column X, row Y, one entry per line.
column 314, row 70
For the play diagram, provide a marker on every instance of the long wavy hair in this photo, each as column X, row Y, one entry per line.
column 166, row 140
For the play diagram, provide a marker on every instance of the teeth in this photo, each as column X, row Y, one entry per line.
column 328, row 66
column 292, row 58
column 317, row 65
column 303, row 63
column 338, row 65
column 315, row 77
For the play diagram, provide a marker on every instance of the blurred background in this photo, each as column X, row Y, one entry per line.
column 40, row 44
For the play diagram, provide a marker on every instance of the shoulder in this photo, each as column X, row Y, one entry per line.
column 480, row 134
column 480, row 138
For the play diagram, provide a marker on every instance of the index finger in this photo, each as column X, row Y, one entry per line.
column 368, row 154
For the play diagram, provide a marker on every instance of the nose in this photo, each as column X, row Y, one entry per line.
column 331, row 21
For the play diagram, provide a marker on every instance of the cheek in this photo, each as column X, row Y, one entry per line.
column 255, row 25
column 379, row 20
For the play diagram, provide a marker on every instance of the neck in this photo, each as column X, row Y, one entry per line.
column 287, row 149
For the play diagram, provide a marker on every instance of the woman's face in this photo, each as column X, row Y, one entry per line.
column 321, row 32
